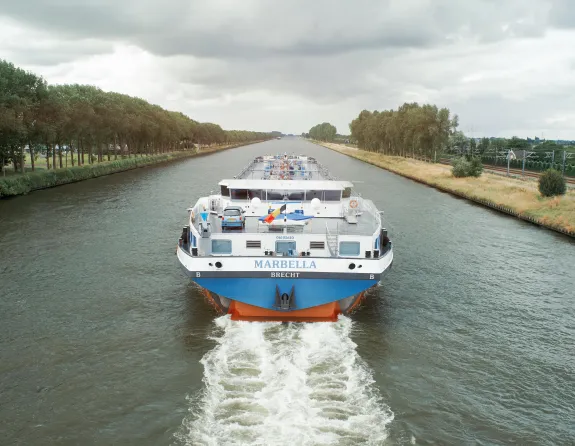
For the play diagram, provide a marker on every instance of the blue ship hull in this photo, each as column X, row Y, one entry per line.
column 261, row 292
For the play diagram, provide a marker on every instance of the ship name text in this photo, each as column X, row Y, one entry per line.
column 283, row 264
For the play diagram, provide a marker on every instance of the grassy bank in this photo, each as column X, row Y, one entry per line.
column 513, row 196
column 22, row 184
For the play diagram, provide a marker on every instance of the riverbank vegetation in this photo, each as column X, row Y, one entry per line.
column 516, row 197
column 413, row 139
column 323, row 132
column 552, row 183
column 86, row 125
column 467, row 167
column 430, row 133
column 411, row 130
column 41, row 179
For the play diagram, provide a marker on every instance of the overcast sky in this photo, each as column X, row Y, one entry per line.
column 506, row 67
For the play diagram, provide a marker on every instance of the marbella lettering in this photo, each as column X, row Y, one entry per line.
column 283, row 264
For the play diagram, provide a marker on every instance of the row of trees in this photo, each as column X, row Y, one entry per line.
column 91, row 123
column 323, row 132
column 411, row 130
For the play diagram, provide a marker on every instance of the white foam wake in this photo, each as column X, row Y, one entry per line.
column 274, row 384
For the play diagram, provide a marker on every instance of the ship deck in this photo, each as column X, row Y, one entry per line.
column 366, row 225
column 257, row 172
column 290, row 168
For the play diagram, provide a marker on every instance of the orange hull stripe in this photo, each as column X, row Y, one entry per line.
column 211, row 300
column 244, row 312
column 358, row 301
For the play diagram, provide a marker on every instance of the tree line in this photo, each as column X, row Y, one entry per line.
column 84, row 122
column 411, row 130
column 323, row 132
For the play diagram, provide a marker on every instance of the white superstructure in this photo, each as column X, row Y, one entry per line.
column 325, row 231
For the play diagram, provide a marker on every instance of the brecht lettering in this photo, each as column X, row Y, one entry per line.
column 285, row 275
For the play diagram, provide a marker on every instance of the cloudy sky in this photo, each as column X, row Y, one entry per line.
column 506, row 67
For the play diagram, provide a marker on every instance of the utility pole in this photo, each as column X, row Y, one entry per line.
column 523, row 169
column 526, row 155
column 552, row 156
column 566, row 156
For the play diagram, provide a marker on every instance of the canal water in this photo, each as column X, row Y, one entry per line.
column 470, row 340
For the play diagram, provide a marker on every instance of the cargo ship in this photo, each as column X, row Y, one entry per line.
column 284, row 240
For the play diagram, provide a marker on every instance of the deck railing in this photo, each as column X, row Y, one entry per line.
column 332, row 226
column 375, row 213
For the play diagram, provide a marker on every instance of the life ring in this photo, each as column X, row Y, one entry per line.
column 353, row 204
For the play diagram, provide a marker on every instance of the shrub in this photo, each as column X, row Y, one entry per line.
column 460, row 167
column 467, row 168
column 552, row 183
column 476, row 167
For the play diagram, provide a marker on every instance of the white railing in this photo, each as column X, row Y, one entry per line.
column 375, row 213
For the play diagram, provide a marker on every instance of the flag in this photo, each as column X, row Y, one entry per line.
column 274, row 214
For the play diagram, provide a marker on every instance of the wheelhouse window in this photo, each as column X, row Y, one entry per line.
column 349, row 248
column 311, row 194
column 296, row 196
column 221, row 246
column 275, row 195
column 286, row 248
column 261, row 194
column 224, row 191
column 331, row 195
column 239, row 194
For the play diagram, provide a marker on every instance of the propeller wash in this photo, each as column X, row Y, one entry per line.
column 276, row 384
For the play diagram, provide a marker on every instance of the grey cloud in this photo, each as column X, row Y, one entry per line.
column 256, row 29
column 56, row 52
column 331, row 79
column 339, row 56
column 562, row 13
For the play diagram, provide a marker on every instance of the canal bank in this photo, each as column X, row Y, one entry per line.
column 511, row 196
column 43, row 179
